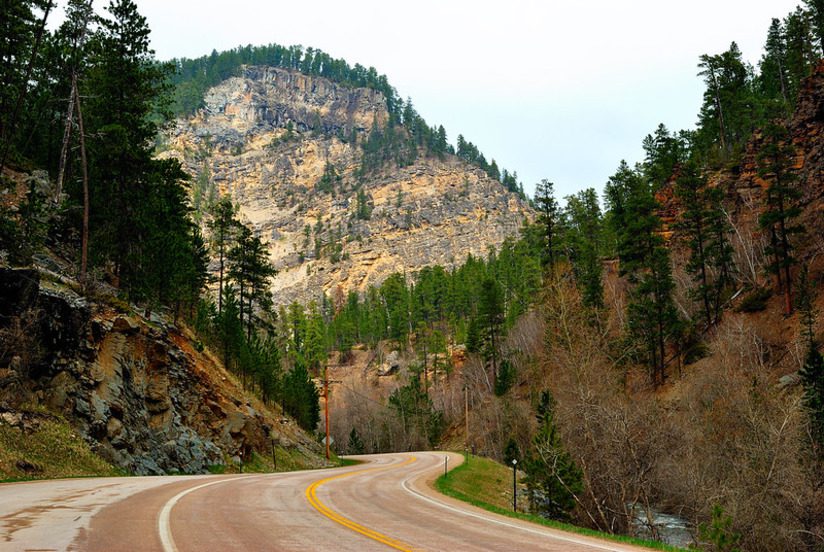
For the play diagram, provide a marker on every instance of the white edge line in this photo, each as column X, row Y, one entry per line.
column 164, row 527
column 405, row 485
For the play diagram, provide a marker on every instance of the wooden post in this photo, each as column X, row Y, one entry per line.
column 326, row 397
column 466, row 414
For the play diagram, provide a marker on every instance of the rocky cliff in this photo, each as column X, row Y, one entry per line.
column 286, row 148
column 745, row 191
column 141, row 391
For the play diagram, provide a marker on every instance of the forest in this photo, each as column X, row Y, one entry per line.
column 613, row 349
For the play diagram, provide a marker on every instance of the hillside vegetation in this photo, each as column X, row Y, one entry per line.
column 656, row 349
column 672, row 358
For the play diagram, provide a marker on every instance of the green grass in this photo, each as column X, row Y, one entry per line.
column 51, row 449
column 487, row 484
column 348, row 461
column 289, row 459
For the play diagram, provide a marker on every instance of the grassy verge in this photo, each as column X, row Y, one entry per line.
column 50, row 449
column 348, row 461
column 488, row 485
column 289, row 459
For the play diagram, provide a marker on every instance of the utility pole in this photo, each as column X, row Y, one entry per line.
column 466, row 413
column 326, row 382
column 326, row 400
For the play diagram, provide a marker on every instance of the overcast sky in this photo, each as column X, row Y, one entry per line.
column 553, row 89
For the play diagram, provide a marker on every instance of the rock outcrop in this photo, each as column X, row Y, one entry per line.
column 268, row 137
column 142, row 392
column 745, row 191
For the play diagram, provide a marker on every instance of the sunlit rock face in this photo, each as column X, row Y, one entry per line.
column 267, row 137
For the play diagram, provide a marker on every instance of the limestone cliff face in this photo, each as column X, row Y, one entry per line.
column 268, row 136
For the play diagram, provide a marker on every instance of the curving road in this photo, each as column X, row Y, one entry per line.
column 384, row 504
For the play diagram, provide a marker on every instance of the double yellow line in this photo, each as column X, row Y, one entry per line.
column 311, row 496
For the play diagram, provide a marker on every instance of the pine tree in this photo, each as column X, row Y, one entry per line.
column 728, row 114
column 583, row 239
column 491, row 318
column 21, row 36
column 300, row 397
column 645, row 261
column 505, row 378
column 395, row 295
column 363, row 202
column 549, row 219
column 355, row 445
column 775, row 161
column 774, row 76
column 816, row 10
column 802, row 53
column 511, row 451
column 690, row 189
column 250, row 269
column 552, row 478
column 314, row 351
column 663, row 152
column 131, row 194
column 812, row 372
column 223, row 227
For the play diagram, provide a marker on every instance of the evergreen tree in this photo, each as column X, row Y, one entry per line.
column 314, row 351
column 229, row 328
column 775, row 161
column 552, row 478
column 363, row 205
column 329, row 180
column 355, row 445
column 583, row 239
column 296, row 324
column 802, row 53
column 223, row 227
column 774, row 76
column 395, row 295
column 131, row 194
column 511, row 451
column 727, row 116
column 708, row 245
column 549, row 219
column 250, row 270
column 300, row 397
column 644, row 258
column 812, row 372
column 816, row 10
column 21, row 36
column 491, row 319
column 663, row 152
column 505, row 378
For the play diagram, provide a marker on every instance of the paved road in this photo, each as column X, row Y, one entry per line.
column 384, row 504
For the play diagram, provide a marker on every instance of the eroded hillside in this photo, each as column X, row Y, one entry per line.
column 138, row 388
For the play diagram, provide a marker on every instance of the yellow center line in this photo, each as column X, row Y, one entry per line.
column 311, row 496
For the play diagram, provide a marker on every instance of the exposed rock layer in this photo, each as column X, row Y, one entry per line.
column 135, row 388
column 267, row 136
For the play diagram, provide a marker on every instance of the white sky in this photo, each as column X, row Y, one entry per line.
column 557, row 90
